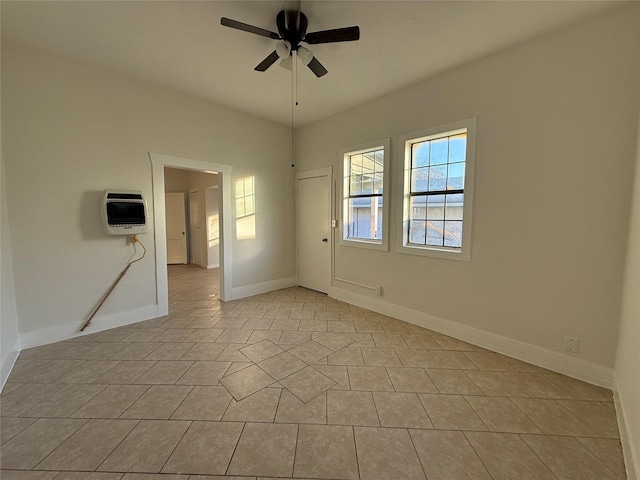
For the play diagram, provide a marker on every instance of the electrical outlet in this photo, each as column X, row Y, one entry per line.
column 378, row 290
column 571, row 344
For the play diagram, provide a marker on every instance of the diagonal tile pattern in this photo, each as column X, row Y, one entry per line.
column 293, row 384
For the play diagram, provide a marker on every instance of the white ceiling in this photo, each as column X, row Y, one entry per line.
column 181, row 44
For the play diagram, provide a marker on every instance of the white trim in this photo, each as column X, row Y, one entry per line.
column 630, row 451
column 264, row 287
column 158, row 163
column 318, row 172
column 371, row 244
column 69, row 330
column 212, row 265
column 556, row 361
column 401, row 184
column 9, row 361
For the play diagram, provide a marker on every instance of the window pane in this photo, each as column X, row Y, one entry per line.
column 379, row 185
column 364, row 218
column 439, row 151
column 417, row 231
column 458, row 148
column 435, row 233
column 368, row 162
column 356, row 164
column 420, row 154
column 455, row 204
column 367, row 184
column 355, row 187
column 453, row 234
column 435, row 207
column 455, row 176
column 418, row 205
column 437, row 178
column 420, row 179
column 379, row 160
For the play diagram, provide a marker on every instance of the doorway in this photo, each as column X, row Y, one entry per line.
column 158, row 164
column 314, row 232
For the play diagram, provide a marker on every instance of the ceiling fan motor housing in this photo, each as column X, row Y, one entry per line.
column 292, row 27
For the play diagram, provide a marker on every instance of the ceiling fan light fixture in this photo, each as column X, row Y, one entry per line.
column 287, row 63
column 283, row 49
column 305, row 55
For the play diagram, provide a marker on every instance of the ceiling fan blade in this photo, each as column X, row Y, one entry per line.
column 317, row 68
column 346, row 34
column 267, row 62
column 227, row 22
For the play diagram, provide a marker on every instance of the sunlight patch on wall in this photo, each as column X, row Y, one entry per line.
column 245, row 208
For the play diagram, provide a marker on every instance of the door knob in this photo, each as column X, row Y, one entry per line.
column 325, row 239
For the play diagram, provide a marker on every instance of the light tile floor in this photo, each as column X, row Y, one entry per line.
column 293, row 384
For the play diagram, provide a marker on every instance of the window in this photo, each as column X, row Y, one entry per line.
column 364, row 218
column 438, row 180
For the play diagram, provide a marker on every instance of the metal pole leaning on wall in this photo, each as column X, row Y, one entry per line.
column 135, row 240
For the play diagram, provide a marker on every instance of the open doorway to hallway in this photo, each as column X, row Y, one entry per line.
column 192, row 217
column 159, row 163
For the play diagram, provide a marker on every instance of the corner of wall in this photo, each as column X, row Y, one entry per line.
column 630, row 451
column 9, row 361
column 66, row 331
column 264, row 287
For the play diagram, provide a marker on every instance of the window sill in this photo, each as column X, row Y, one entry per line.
column 459, row 254
column 366, row 244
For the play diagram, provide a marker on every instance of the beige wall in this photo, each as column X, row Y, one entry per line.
column 557, row 123
column 627, row 366
column 71, row 130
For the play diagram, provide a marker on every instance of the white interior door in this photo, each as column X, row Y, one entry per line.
column 313, row 215
column 196, row 200
column 176, row 228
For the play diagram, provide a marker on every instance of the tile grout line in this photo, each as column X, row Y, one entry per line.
column 226, row 470
column 464, row 434
column 138, row 422
column 164, row 464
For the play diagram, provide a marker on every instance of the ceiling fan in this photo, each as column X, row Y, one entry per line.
column 292, row 31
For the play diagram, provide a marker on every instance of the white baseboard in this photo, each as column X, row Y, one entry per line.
column 566, row 364
column 9, row 361
column 631, row 452
column 264, row 287
column 213, row 265
column 66, row 331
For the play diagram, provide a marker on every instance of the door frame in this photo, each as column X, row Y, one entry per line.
column 326, row 172
column 158, row 162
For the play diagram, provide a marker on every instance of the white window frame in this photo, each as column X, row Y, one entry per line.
column 406, row 141
column 373, row 244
